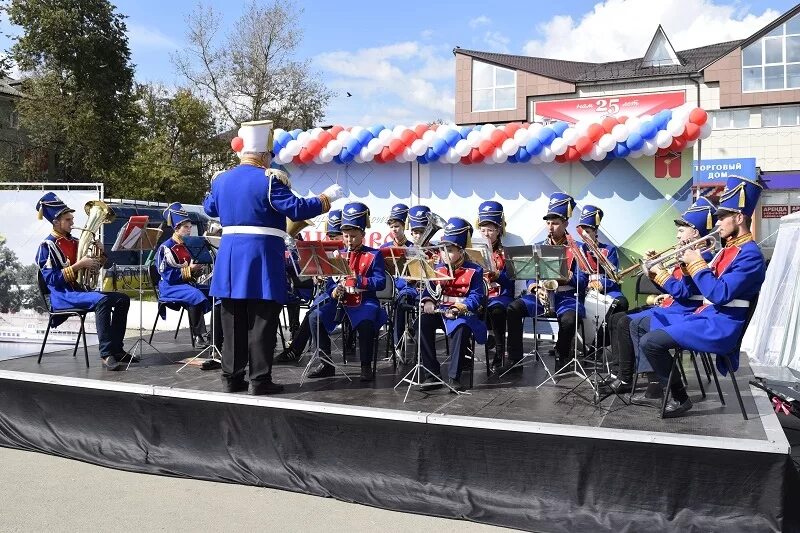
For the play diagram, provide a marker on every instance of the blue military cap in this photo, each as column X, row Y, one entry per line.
column 458, row 232
column 175, row 215
column 561, row 205
column 418, row 216
column 399, row 212
column 51, row 207
column 591, row 216
column 491, row 211
column 700, row 216
column 740, row 196
column 333, row 224
column 355, row 215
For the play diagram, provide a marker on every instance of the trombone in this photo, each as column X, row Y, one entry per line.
column 671, row 256
column 608, row 267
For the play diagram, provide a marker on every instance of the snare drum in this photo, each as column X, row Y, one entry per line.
column 598, row 307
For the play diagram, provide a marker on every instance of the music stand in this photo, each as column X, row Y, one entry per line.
column 208, row 247
column 136, row 236
column 537, row 261
column 417, row 268
column 320, row 259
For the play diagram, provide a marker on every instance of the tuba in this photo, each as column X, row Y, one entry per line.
column 546, row 294
column 89, row 244
column 435, row 223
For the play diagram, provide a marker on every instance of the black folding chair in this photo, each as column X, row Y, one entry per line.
column 155, row 278
column 646, row 286
column 44, row 291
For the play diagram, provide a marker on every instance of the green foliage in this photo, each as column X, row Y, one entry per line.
column 9, row 291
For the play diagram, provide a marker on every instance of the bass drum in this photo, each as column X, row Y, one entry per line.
column 598, row 307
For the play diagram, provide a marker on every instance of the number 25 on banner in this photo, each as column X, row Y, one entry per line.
column 609, row 106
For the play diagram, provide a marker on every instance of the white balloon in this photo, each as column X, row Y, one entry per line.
column 570, row 136
column 325, row 155
column 442, row 130
column 365, row 153
column 419, row 147
column 375, row 146
column 582, row 126
column 358, row 159
column 587, row 157
column 521, row 137
column 488, row 160
column 474, row 138
column 681, row 115
column 499, row 156
column 428, row 136
column 397, row 131
column 408, row 155
column 452, row 156
column 597, row 152
column 303, row 138
column 335, row 147
column 385, row 136
column 645, row 117
column 355, row 130
column 558, row 146
column 606, row 142
column 633, row 124
column 619, row 133
column 344, row 136
column 547, row 155
column 284, row 156
column 462, row 148
column 705, row 130
column 293, row 147
column 486, row 133
column 675, row 127
column 315, row 132
column 509, row 147
column 535, row 128
column 489, row 128
column 635, row 154
column 536, row 161
column 663, row 139
column 650, row 148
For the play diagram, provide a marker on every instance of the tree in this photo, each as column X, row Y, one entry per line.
column 79, row 96
column 177, row 151
column 9, row 289
column 252, row 75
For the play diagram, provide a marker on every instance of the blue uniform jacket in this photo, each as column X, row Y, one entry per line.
column 248, row 265
column 564, row 299
column 610, row 287
column 733, row 278
column 468, row 288
column 177, row 283
column 54, row 257
column 501, row 290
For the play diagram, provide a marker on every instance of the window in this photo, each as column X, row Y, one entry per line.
column 493, row 88
column 731, row 119
column 13, row 120
column 780, row 116
column 773, row 62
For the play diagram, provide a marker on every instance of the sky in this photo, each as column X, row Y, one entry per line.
column 397, row 61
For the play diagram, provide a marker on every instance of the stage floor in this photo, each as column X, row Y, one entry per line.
column 515, row 398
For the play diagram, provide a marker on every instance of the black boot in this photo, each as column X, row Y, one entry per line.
column 233, row 385
column 366, row 372
column 456, row 385
column 264, row 387
column 323, row 370
column 287, row 357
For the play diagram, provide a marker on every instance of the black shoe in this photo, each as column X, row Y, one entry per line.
column 644, row 401
column 124, row 357
column 456, row 386
column 112, row 363
column 233, row 385
column 323, row 370
column 286, row 357
column 619, row 386
column 490, row 343
column 430, row 383
column 264, row 387
column 367, row 374
column 497, row 364
column 675, row 408
column 200, row 342
column 654, row 391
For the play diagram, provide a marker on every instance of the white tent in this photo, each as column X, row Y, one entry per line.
column 773, row 337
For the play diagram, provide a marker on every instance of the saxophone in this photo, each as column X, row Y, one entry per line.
column 89, row 244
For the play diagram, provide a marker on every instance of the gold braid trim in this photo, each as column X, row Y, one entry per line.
column 662, row 277
column 69, row 274
column 186, row 272
column 281, row 176
column 696, row 266
column 326, row 203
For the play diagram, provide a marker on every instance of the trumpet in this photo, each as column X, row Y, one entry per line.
column 610, row 270
column 546, row 294
column 671, row 256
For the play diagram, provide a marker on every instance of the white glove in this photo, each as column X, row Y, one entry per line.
column 334, row 192
column 428, row 307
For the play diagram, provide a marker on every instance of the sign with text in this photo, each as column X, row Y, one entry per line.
column 709, row 171
column 774, row 211
column 595, row 108
column 795, row 208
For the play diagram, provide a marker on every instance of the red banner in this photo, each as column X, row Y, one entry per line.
column 774, row 211
column 795, row 208
column 595, row 108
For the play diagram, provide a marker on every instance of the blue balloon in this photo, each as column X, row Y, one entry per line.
column 477, row 127
column 375, row 130
column 534, row 147
column 423, row 159
column 512, row 159
column 353, row 145
column 364, row 136
column 635, row 141
column 465, row 131
column 648, row 130
column 440, row 147
column 524, row 155
column 546, row 136
column 295, row 133
column 338, row 159
column 559, row 127
column 621, row 150
column 432, row 155
column 451, row 138
column 282, row 138
column 347, row 156
column 662, row 117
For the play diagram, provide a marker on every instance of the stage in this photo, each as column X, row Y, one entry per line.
column 507, row 453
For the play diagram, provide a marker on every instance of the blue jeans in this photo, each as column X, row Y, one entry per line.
column 111, row 316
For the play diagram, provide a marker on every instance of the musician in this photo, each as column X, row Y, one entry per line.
column 565, row 303
column 729, row 284
column 492, row 224
column 599, row 279
column 355, row 294
column 459, row 305
column 57, row 260
column 681, row 296
column 178, row 273
column 253, row 202
column 418, row 221
column 297, row 347
column 406, row 294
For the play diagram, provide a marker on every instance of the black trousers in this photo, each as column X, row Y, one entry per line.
column 459, row 342
column 198, row 323
column 301, row 336
column 622, row 345
column 111, row 316
column 656, row 346
column 496, row 318
column 515, row 315
column 250, row 329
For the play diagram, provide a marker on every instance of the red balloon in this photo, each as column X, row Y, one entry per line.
column 476, row 156
column 466, row 160
column 692, row 131
column 305, row 156
column 584, row 145
column 698, row 116
column 486, row 148
column 622, row 120
column 561, row 158
column 237, row 143
column 324, row 137
column 678, row 144
column 334, row 131
column 384, row 155
column 572, row 154
column 497, row 137
column 608, row 124
column 408, row 137
column 396, row 147
column 595, row 131
column 662, row 152
column 433, row 127
column 296, row 160
column 313, row 147
column 420, row 130
column 512, row 128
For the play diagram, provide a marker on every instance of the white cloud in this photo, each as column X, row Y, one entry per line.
column 482, row 20
column 622, row 29
column 147, row 37
column 403, row 83
column 426, row 34
column 496, row 41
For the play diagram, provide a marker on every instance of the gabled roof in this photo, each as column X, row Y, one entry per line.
column 660, row 52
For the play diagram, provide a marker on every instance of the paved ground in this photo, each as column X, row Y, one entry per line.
column 45, row 493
